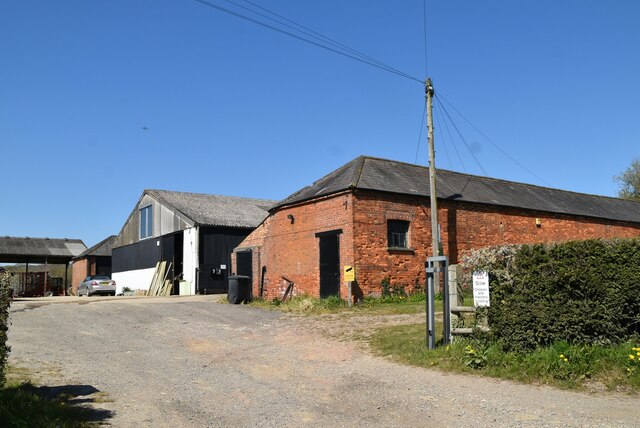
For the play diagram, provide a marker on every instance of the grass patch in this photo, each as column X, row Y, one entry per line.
column 24, row 405
column 392, row 305
column 614, row 368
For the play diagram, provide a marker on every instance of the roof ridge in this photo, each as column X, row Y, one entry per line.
column 358, row 171
column 503, row 180
column 208, row 194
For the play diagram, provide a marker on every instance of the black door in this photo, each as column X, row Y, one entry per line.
column 243, row 263
column 244, row 267
column 329, row 264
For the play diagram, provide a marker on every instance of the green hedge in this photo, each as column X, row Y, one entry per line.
column 5, row 301
column 582, row 292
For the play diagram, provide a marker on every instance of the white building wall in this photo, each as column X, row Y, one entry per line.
column 190, row 260
column 139, row 279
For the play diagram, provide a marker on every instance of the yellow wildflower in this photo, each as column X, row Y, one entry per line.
column 632, row 357
column 561, row 355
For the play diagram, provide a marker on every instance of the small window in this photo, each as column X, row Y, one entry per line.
column 146, row 222
column 398, row 233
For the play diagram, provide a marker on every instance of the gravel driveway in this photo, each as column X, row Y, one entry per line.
column 189, row 361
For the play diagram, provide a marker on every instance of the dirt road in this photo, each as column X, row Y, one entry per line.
column 189, row 361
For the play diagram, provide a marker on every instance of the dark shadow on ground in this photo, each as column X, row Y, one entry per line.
column 61, row 405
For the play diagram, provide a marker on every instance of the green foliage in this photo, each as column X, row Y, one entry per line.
column 410, row 304
column 22, row 406
column 392, row 292
column 580, row 292
column 5, row 301
column 560, row 364
column 629, row 181
column 633, row 361
column 474, row 358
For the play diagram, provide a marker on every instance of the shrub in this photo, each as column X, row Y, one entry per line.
column 580, row 292
column 5, row 301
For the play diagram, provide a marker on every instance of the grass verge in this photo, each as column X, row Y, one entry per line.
column 396, row 305
column 587, row 368
column 24, row 405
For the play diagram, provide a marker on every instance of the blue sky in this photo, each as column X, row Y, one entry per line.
column 102, row 99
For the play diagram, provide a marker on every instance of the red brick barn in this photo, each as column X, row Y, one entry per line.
column 374, row 214
column 94, row 261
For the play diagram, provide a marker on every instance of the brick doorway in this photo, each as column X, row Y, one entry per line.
column 329, row 263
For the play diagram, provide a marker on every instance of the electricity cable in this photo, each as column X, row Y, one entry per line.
column 453, row 143
column 424, row 26
column 298, row 37
column 444, row 144
column 493, row 143
column 462, row 137
column 310, row 32
column 424, row 110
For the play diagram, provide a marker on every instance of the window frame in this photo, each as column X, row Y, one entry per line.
column 146, row 213
column 397, row 231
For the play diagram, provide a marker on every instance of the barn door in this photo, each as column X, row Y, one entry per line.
column 329, row 263
column 244, row 266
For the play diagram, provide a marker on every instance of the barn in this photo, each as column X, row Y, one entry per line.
column 93, row 261
column 194, row 232
column 374, row 214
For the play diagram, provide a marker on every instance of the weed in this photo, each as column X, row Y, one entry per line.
column 474, row 358
column 561, row 364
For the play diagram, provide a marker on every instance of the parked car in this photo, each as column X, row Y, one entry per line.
column 97, row 284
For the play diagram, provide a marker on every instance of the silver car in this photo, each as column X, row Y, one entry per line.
column 97, row 284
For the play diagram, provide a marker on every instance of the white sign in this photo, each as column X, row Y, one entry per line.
column 481, row 289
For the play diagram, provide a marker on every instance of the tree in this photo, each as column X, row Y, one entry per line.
column 629, row 182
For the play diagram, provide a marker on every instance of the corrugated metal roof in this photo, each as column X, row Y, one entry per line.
column 101, row 249
column 215, row 210
column 39, row 248
column 398, row 177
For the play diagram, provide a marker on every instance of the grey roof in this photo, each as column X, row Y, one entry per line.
column 215, row 210
column 37, row 250
column 397, row 177
column 101, row 249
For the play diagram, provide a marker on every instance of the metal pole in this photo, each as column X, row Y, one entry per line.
column 431, row 312
column 46, row 273
column 446, row 303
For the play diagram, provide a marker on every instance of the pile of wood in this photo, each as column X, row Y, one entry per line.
column 160, row 285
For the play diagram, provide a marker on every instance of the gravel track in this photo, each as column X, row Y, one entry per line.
column 189, row 361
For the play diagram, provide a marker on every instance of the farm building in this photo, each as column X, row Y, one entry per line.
column 94, row 261
column 196, row 233
column 374, row 214
column 45, row 251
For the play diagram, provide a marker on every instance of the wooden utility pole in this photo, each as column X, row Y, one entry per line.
column 435, row 242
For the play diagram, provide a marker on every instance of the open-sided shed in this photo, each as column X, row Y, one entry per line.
column 40, row 250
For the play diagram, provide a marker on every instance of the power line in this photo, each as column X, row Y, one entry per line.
column 446, row 151
column 494, row 144
column 424, row 21
column 376, row 64
column 462, row 137
column 424, row 111
column 310, row 32
column 453, row 143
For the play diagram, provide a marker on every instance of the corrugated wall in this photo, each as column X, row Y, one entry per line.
column 164, row 221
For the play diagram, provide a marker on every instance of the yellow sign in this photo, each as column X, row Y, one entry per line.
column 349, row 273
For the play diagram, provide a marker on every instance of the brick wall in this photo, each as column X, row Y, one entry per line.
column 79, row 271
column 464, row 226
column 292, row 250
